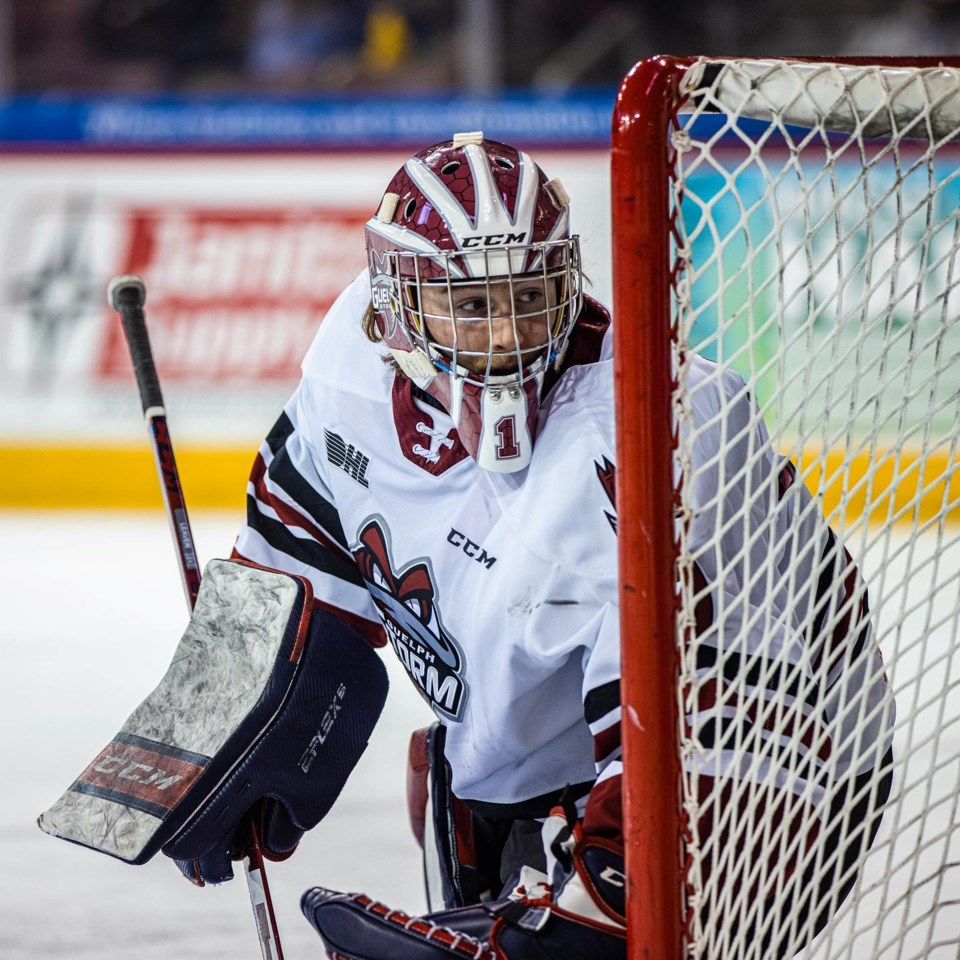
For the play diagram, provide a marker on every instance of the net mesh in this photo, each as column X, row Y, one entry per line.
column 817, row 310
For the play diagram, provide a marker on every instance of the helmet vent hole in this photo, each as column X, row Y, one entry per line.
column 409, row 208
column 504, row 162
column 450, row 167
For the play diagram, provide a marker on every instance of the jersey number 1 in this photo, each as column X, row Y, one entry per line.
column 506, row 429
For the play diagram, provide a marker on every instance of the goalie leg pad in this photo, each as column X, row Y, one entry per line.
column 462, row 852
column 354, row 927
column 263, row 698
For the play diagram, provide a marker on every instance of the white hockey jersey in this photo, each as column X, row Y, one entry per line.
column 497, row 592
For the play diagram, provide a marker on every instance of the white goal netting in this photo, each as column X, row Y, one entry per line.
column 816, row 247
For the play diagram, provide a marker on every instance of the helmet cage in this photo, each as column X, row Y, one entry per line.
column 556, row 265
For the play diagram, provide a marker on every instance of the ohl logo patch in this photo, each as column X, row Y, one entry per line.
column 406, row 600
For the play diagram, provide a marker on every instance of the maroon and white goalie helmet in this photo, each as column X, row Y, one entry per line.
column 476, row 284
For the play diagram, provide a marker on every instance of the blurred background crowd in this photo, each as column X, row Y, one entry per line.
column 250, row 47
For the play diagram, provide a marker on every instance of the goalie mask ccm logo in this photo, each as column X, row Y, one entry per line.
column 495, row 240
column 406, row 600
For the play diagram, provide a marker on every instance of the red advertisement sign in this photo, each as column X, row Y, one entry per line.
column 232, row 294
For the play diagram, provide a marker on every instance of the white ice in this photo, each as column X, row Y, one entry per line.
column 92, row 610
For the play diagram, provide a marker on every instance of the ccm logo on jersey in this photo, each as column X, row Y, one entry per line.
column 471, row 549
column 494, row 239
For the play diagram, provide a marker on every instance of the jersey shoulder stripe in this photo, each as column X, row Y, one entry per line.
column 601, row 700
column 279, row 432
column 758, row 671
column 272, row 501
column 305, row 549
column 284, row 472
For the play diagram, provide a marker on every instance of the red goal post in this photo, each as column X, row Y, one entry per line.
column 641, row 163
column 863, row 136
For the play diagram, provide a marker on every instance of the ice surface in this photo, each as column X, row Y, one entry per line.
column 92, row 611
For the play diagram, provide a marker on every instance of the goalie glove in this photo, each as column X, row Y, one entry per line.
column 580, row 916
column 307, row 732
column 279, row 838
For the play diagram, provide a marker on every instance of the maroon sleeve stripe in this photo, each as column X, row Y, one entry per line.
column 771, row 716
column 605, row 743
column 290, row 516
column 603, row 816
column 371, row 630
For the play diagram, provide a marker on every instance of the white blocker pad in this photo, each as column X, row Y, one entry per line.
column 252, row 680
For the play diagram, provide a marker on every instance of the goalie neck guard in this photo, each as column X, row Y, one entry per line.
column 476, row 284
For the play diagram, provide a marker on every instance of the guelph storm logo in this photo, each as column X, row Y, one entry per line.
column 406, row 602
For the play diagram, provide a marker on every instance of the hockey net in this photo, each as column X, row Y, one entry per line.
column 796, row 225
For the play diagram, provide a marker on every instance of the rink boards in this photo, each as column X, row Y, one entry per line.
column 242, row 254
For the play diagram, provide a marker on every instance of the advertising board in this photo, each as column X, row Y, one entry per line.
column 242, row 255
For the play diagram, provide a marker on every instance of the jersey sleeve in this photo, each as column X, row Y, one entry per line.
column 603, row 814
column 575, row 530
column 784, row 660
column 292, row 522
column 786, row 664
column 781, row 607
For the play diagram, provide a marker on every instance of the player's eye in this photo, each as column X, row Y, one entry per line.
column 471, row 307
column 529, row 301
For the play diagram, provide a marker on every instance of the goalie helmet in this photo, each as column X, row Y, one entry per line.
column 476, row 284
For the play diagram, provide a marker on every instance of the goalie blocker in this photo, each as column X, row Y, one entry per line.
column 266, row 701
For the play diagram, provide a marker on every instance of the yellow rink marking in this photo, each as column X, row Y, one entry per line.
column 906, row 486
column 119, row 477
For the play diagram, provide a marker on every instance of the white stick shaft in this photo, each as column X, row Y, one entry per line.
column 261, row 911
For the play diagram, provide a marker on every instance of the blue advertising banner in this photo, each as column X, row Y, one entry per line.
column 224, row 123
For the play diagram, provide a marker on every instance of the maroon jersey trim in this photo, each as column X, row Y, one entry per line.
column 407, row 416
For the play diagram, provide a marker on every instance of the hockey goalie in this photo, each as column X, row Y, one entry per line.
column 442, row 483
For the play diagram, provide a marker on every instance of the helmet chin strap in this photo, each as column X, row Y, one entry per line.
column 416, row 365
column 496, row 415
column 506, row 444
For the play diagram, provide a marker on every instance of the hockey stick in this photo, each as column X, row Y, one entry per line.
column 127, row 294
